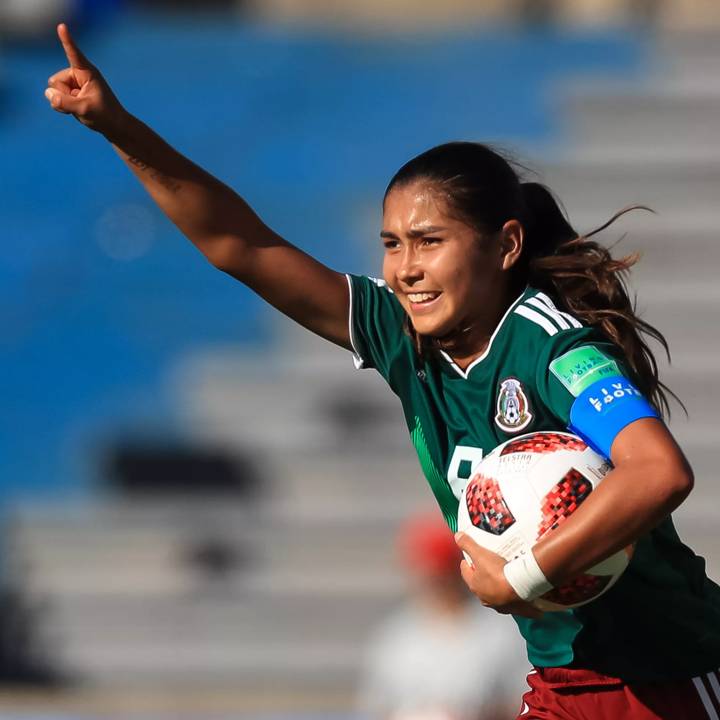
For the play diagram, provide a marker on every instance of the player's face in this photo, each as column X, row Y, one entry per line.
column 445, row 276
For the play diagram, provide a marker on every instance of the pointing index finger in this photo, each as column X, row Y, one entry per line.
column 72, row 51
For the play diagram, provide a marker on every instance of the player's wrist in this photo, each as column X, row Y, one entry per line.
column 526, row 577
column 121, row 128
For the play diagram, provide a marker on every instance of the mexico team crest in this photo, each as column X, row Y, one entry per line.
column 513, row 409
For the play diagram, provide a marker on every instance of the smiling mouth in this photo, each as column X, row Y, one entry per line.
column 422, row 300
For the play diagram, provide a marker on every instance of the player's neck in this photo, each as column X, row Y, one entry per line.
column 472, row 337
column 464, row 354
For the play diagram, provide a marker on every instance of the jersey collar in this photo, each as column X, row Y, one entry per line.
column 465, row 373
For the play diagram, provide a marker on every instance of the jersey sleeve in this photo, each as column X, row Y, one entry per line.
column 376, row 323
column 588, row 387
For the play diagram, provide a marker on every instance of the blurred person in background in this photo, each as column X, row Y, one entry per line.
column 441, row 656
column 475, row 260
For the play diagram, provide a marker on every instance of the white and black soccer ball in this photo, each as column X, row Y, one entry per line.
column 529, row 486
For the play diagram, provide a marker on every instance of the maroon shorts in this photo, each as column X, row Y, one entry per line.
column 572, row 694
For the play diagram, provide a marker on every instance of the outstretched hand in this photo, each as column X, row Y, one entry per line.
column 80, row 90
column 485, row 577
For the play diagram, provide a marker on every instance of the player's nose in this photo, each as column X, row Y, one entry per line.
column 409, row 268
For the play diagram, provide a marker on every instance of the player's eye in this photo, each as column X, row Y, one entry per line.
column 431, row 240
column 390, row 244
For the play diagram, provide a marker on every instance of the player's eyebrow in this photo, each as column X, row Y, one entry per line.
column 415, row 232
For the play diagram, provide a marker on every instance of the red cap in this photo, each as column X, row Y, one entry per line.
column 427, row 545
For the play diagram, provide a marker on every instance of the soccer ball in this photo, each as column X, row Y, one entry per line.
column 529, row 486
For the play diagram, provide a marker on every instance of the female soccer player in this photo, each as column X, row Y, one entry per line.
column 494, row 318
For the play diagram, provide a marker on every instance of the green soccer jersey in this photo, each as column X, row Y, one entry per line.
column 661, row 620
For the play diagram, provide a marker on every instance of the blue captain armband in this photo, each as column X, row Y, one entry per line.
column 602, row 410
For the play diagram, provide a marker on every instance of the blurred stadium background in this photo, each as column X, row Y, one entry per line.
column 198, row 500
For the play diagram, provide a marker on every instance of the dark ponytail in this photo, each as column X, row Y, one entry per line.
column 591, row 284
column 484, row 190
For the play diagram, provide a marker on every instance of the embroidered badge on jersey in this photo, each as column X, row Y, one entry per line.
column 579, row 368
column 513, row 408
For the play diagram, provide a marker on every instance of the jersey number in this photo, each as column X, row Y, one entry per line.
column 462, row 466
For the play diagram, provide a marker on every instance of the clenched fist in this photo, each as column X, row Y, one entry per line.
column 80, row 90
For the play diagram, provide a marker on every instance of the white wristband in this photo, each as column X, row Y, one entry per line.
column 525, row 576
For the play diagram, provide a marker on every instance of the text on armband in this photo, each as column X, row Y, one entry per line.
column 617, row 391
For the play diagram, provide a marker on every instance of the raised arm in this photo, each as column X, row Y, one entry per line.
column 217, row 220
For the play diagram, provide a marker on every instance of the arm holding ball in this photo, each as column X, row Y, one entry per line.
column 650, row 478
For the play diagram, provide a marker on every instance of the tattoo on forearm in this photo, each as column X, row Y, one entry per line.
column 168, row 183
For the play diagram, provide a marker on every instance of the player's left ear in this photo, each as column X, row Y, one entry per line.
column 511, row 243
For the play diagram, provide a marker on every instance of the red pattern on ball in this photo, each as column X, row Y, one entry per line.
column 543, row 442
column 582, row 588
column 486, row 506
column 559, row 504
column 563, row 500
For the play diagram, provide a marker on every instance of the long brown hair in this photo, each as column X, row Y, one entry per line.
column 484, row 190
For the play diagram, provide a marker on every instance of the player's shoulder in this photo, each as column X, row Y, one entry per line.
column 373, row 293
column 537, row 315
column 368, row 283
column 377, row 324
column 544, row 333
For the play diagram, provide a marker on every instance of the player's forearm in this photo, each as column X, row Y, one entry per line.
column 208, row 212
column 626, row 505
